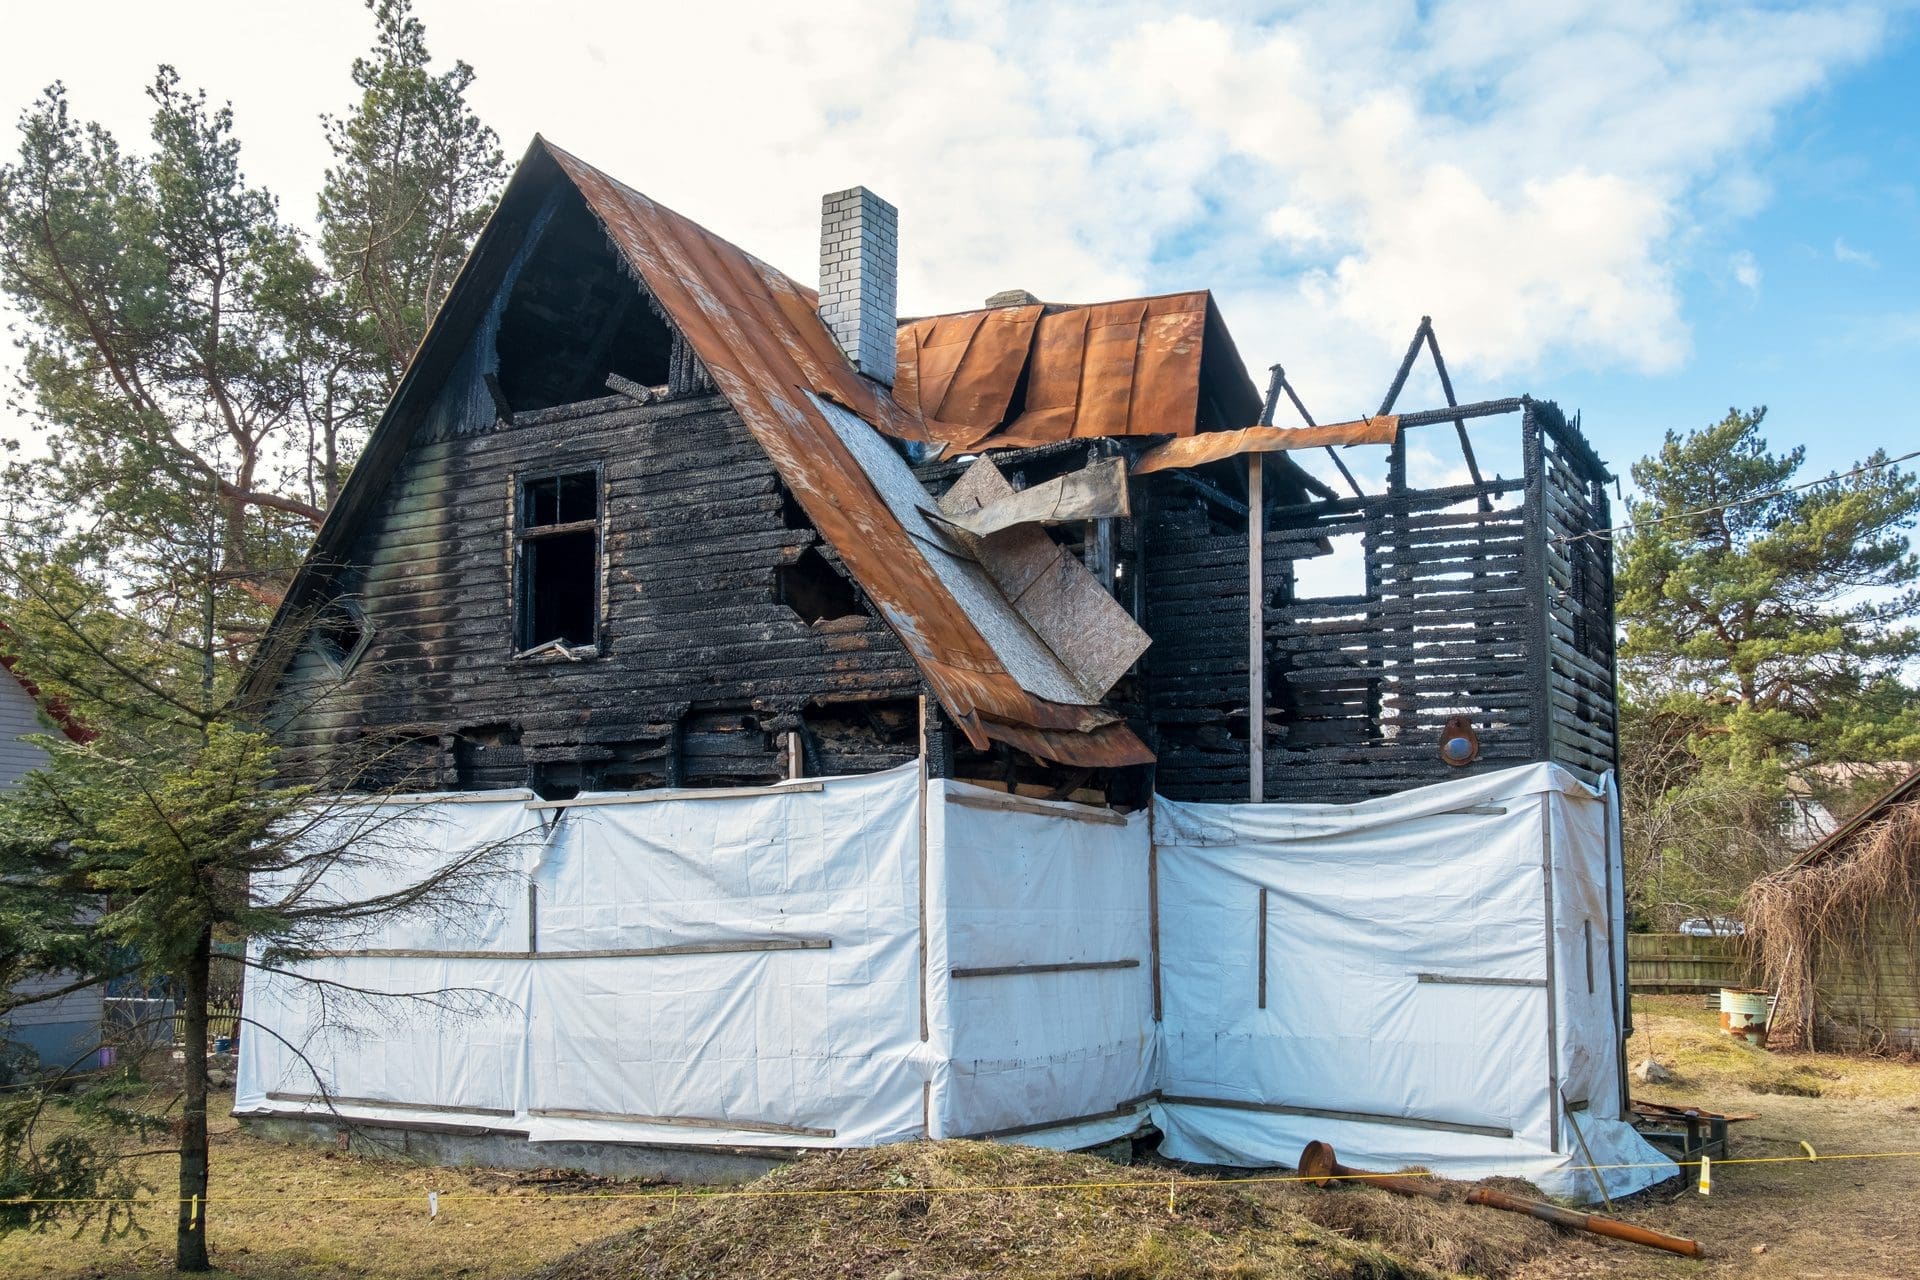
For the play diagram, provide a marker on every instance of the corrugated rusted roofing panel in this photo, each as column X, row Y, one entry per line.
column 1131, row 367
column 1166, row 397
column 981, row 392
column 762, row 340
column 1215, row 445
column 1114, row 333
column 1053, row 381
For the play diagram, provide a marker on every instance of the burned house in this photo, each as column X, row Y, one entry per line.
column 884, row 698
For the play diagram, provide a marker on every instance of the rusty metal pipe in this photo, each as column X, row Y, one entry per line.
column 1319, row 1165
column 1598, row 1224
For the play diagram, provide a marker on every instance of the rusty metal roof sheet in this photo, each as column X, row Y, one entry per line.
column 762, row 340
column 1013, row 377
column 1193, row 451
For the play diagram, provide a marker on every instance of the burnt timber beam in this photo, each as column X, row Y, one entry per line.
column 1301, row 409
column 1459, row 424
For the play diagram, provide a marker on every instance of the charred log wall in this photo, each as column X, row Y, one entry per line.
column 1570, row 496
column 1490, row 602
column 702, row 662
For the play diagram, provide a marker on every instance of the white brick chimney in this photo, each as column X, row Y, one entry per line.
column 859, row 246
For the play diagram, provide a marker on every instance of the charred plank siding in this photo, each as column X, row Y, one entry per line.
column 1490, row 601
column 700, row 666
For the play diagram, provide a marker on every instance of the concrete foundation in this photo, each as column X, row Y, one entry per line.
column 472, row 1146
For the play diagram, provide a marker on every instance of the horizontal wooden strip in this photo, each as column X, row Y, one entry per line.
column 730, row 947
column 1467, row 980
column 1325, row 1113
column 1080, row 966
column 340, row 1100
column 516, row 795
column 683, row 1122
column 659, row 797
column 972, row 799
column 1130, row 1107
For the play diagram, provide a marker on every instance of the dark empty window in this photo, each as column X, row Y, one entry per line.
column 574, row 316
column 559, row 560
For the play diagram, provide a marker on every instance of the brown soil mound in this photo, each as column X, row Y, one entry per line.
column 902, row 1225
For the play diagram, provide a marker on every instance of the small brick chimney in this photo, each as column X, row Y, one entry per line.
column 859, row 247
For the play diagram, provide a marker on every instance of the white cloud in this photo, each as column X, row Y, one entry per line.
column 1296, row 228
column 1746, row 271
column 1846, row 253
column 1534, row 176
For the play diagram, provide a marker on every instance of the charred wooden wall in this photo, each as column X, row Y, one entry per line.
column 1570, row 497
column 1485, row 601
column 700, row 668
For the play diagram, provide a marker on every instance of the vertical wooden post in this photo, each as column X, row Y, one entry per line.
column 796, row 754
column 1553, row 989
column 1153, row 911
column 1102, row 550
column 925, row 711
column 1256, row 631
column 1263, row 946
column 1539, row 596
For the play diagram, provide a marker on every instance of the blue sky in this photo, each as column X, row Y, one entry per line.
column 1645, row 209
column 1829, row 339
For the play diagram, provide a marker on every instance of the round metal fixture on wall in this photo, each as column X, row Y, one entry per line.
column 1459, row 744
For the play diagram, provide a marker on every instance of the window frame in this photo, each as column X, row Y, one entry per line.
column 521, row 535
column 342, row 662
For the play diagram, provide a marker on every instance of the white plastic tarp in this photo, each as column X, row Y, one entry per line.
column 736, row 969
column 377, row 1031
column 748, row 969
column 1040, row 968
column 812, row 1044
column 1440, row 982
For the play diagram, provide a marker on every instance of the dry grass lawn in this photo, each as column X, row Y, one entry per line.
column 1837, row 1219
column 299, row 1213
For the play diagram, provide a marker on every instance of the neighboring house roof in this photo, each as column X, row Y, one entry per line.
column 55, row 709
column 1018, row 376
column 1904, row 792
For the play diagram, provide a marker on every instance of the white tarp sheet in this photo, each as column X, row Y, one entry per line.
column 1439, row 975
column 812, row 1045
column 386, row 1032
column 748, row 969
column 669, row 964
column 1021, row 1042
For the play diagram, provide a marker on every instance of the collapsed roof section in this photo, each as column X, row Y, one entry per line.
column 1019, row 376
column 761, row 338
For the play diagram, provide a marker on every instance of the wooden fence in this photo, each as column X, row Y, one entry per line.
column 1678, row 963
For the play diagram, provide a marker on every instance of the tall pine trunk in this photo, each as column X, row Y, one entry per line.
column 190, row 1248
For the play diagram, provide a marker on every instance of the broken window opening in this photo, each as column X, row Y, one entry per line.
column 487, row 756
column 815, row 590
column 341, row 633
column 558, row 558
column 575, row 316
column 556, row 780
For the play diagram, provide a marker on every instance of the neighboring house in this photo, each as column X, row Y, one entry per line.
column 836, row 663
column 61, row 1029
column 1840, row 931
column 1811, row 791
